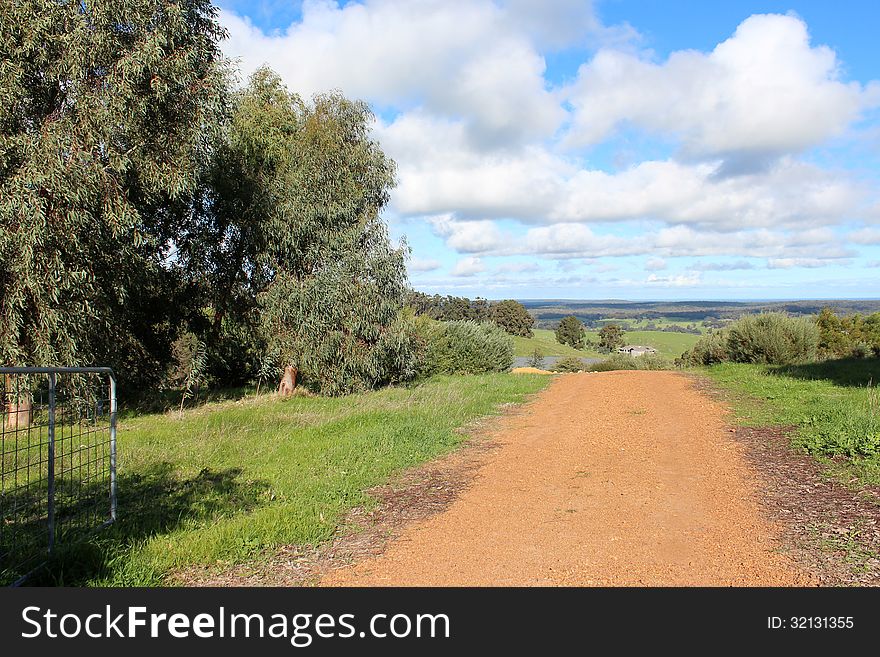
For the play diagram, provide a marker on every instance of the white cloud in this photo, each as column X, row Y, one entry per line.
column 577, row 241
column 561, row 23
column 468, row 267
column 440, row 173
column 865, row 236
column 417, row 264
column 518, row 267
column 763, row 92
column 723, row 266
column 459, row 59
column 682, row 280
column 655, row 264
column 467, row 236
column 790, row 263
column 480, row 133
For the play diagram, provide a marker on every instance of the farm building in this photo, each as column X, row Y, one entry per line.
column 636, row 350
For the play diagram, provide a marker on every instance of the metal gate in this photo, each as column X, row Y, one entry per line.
column 58, row 475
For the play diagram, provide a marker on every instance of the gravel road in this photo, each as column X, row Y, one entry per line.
column 616, row 478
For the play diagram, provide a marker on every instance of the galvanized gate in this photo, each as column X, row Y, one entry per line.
column 58, row 474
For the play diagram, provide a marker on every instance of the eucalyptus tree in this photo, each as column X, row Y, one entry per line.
column 333, row 308
column 105, row 110
column 291, row 239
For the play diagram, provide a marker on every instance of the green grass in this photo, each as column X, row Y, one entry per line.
column 545, row 341
column 234, row 479
column 670, row 345
column 833, row 405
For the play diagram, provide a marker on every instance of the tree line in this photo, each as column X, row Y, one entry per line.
column 509, row 314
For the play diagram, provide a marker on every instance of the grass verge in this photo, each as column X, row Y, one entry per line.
column 234, row 479
column 832, row 406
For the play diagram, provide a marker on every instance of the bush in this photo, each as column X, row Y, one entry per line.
column 625, row 362
column 711, row 348
column 772, row 338
column 537, row 359
column 466, row 347
column 569, row 364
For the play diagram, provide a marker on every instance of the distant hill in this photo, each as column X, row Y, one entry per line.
column 550, row 311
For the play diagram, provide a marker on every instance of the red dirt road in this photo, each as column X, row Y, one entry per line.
column 618, row 478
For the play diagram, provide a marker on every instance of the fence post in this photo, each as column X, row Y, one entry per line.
column 51, row 473
column 112, row 448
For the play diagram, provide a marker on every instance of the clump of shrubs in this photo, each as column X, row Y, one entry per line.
column 626, row 362
column 768, row 338
column 772, row 338
column 569, row 364
column 709, row 349
column 465, row 347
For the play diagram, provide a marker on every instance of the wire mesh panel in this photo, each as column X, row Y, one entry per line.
column 58, row 477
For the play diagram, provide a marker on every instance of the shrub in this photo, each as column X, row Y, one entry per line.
column 624, row 362
column 537, row 359
column 569, row 364
column 466, row 347
column 571, row 332
column 772, row 338
column 711, row 348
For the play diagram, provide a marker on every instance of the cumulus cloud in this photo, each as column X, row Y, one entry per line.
column 765, row 91
column 569, row 241
column 518, row 267
column 468, row 267
column 481, row 134
column 460, row 59
column 723, row 266
column 865, row 236
column 418, row 264
column 440, row 173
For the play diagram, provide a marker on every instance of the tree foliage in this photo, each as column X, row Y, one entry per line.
column 299, row 249
column 571, row 332
column 448, row 308
column 513, row 317
column 105, row 109
column 848, row 335
column 611, row 337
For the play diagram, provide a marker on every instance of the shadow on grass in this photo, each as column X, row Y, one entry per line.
column 134, row 403
column 850, row 372
column 151, row 502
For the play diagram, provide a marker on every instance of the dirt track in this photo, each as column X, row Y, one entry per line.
column 618, row 478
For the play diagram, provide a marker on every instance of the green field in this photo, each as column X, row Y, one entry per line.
column 234, row 479
column 670, row 345
column 544, row 341
column 833, row 405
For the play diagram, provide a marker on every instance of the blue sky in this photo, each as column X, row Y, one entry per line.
column 607, row 149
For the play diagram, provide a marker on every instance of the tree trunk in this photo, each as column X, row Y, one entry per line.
column 288, row 381
column 19, row 411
